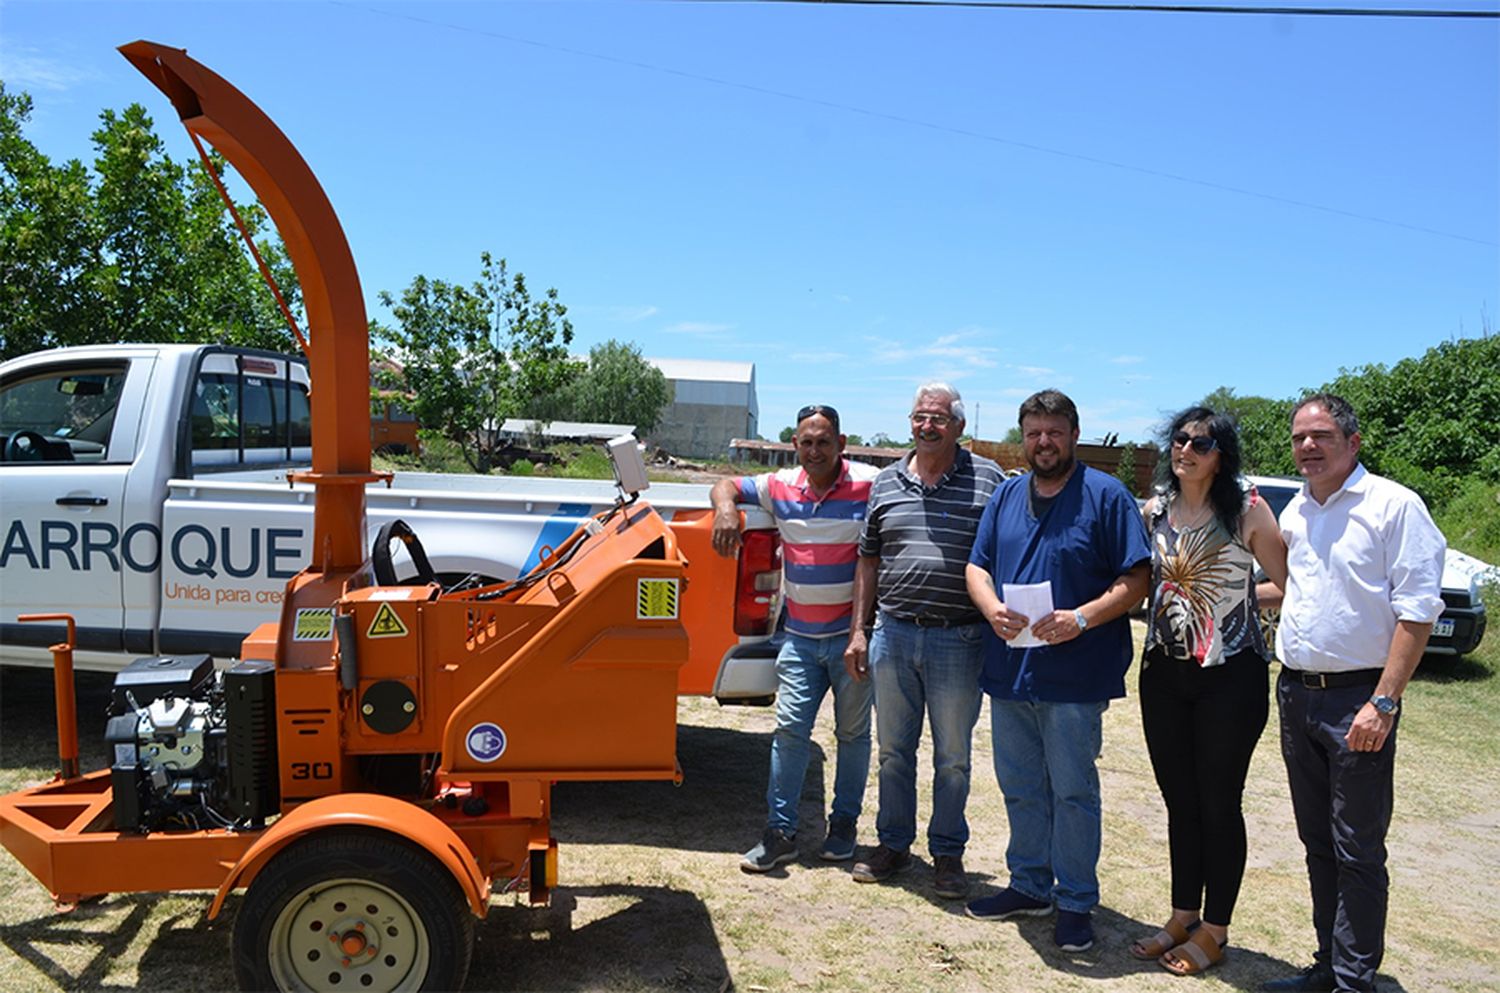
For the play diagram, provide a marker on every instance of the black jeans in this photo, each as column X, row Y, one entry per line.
column 1342, row 801
column 1201, row 728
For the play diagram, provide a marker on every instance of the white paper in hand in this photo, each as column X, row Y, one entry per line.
column 1032, row 599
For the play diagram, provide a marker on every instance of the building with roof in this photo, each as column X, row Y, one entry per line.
column 712, row 404
column 521, row 430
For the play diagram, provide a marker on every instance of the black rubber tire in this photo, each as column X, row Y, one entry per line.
column 382, row 861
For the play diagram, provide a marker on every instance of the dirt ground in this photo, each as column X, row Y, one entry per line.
column 651, row 897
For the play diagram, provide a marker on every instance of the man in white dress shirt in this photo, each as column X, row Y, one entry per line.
column 1364, row 571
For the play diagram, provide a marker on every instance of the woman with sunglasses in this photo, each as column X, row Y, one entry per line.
column 1203, row 684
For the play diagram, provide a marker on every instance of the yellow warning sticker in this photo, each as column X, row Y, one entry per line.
column 386, row 624
column 313, row 624
column 656, row 599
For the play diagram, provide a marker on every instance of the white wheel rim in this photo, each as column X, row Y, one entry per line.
column 348, row 934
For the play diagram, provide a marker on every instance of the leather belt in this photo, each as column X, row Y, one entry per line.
column 941, row 622
column 1333, row 680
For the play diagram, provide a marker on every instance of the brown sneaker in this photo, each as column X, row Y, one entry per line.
column 948, row 877
column 880, row 865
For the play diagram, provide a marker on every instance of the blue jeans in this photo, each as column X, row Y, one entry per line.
column 806, row 669
column 935, row 671
column 1045, row 755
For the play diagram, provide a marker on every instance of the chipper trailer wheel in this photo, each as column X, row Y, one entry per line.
column 353, row 911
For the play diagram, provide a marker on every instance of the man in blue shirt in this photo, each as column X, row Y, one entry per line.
column 1078, row 530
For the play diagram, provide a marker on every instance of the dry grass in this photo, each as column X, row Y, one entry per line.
column 652, row 898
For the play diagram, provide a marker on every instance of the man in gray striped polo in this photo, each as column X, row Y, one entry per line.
column 926, row 647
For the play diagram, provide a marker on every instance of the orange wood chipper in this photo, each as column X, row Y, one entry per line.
column 382, row 758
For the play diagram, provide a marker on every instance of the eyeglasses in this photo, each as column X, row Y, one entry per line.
column 819, row 409
column 1201, row 444
column 936, row 420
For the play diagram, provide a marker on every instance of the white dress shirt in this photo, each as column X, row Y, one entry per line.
column 1367, row 557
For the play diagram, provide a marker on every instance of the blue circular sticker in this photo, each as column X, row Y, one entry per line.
column 485, row 742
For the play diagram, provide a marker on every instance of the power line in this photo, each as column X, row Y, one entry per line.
column 919, row 123
column 1148, row 8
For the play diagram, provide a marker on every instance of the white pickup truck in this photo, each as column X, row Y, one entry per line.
column 143, row 489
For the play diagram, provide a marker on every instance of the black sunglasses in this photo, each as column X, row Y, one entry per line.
column 822, row 409
column 1201, row 444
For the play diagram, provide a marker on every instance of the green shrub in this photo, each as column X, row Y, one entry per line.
column 522, row 467
column 579, row 462
column 1471, row 518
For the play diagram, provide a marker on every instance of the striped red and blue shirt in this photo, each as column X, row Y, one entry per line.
column 819, row 542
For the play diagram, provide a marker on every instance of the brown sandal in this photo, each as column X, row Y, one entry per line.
column 1199, row 953
column 1169, row 937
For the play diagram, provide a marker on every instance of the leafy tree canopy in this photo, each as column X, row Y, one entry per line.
column 472, row 356
column 137, row 249
column 1428, row 422
column 617, row 386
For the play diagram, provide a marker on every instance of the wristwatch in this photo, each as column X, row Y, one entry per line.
column 1083, row 623
column 1386, row 705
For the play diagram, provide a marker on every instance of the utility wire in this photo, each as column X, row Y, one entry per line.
column 919, row 123
column 1150, row 8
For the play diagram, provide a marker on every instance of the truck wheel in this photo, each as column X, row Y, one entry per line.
column 353, row 911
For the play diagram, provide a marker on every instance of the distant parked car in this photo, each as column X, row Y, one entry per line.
column 1460, row 628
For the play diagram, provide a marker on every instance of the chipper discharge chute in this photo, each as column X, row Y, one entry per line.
column 381, row 759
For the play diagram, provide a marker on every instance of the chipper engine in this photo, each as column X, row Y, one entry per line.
column 381, row 759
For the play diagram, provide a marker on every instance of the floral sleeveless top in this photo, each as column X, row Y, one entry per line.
column 1203, row 604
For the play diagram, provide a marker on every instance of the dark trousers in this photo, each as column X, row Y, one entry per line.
column 1342, row 801
column 1201, row 728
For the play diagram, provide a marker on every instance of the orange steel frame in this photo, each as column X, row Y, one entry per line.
column 580, row 675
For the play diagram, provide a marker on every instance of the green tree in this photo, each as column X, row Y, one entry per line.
column 473, row 356
column 49, row 246
column 139, row 249
column 1012, row 436
column 1432, row 421
column 1125, row 470
column 618, row 386
column 853, row 439
column 787, row 434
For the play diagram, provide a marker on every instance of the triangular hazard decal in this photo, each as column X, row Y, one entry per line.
column 386, row 624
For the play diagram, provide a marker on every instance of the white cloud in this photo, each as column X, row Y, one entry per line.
column 1127, row 359
column 948, row 346
column 700, row 328
column 1035, row 371
column 27, row 70
column 817, row 356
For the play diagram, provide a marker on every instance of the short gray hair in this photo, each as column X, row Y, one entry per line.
column 940, row 388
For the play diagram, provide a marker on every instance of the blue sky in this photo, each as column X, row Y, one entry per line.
column 1135, row 208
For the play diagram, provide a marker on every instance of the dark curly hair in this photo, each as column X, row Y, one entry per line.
column 1224, row 493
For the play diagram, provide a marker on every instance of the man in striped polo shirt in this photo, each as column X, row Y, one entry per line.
column 926, row 649
column 819, row 508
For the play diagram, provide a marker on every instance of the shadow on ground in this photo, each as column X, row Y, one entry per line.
column 544, row 949
column 185, row 953
column 720, row 806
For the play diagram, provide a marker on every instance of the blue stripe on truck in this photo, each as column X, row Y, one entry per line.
column 556, row 531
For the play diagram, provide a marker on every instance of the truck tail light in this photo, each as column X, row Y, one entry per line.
column 757, row 582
